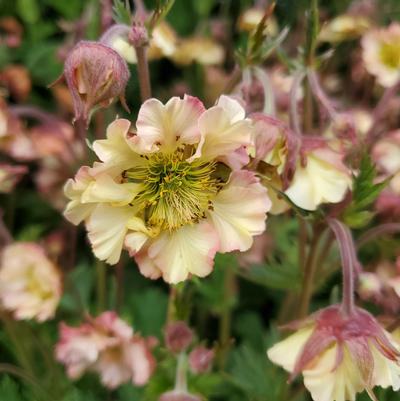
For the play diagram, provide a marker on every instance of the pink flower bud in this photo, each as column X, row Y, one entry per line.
column 96, row 75
column 178, row 336
column 201, row 359
column 138, row 35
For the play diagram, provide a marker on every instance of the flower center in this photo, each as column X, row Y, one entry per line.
column 176, row 192
column 390, row 54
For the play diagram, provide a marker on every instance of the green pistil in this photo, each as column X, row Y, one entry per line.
column 176, row 192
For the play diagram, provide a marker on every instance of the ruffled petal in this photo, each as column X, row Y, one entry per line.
column 115, row 149
column 189, row 250
column 105, row 189
column 239, row 211
column 232, row 107
column 286, row 352
column 107, row 227
column 220, row 134
column 164, row 126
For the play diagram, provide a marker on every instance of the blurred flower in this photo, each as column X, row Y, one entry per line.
column 30, row 285
column 105, row 345
column 261, row 247
column 17, row 80
column 344, row 27
column 340, row 355
column 178, row 336
column 63, row 97
column 381, row 54
column 173, row 192
column 200, row 50
column 14, row 141
column 11, row 32
column 249, row 20
column 162, row 42
column 96, row 74
column 10, row 176
column 320, row 178
column 201, row 359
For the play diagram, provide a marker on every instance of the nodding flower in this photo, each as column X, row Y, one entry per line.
column 96, row 75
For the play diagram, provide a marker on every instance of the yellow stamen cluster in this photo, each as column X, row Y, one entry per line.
column 176, row 192
column 390, row 54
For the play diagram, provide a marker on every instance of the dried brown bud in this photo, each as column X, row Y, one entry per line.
column 96, row 75
column 178, row 336
column 201, row 359
column 17, row 80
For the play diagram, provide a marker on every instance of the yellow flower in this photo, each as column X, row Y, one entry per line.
column 344, row 27
column 340, row 356
column 30, row 284
column 173, row 192
column 381, row 54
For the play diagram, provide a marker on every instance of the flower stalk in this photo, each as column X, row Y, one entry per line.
column 349, row 263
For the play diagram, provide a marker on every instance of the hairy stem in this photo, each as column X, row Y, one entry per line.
column 143, row 72
column 347, row 253
column 181, row 378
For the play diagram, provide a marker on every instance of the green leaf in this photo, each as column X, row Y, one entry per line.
column 203, row 7
column 9, row 390
column 28, row 10
column 122, row 12
column 365, row 192
column 149, row 311
column 163, row 7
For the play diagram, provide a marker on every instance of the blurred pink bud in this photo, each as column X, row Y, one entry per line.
column 178, row 396
column 96, row 75
column 138, row 35
column 178, row 336
column 10, row 176
column 201, row 359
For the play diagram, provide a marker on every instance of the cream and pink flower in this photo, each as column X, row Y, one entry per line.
column 320, row 177
column 30, row 284
column 172, row 190
column 340, row 356
column 381, row 54
column 106, row 345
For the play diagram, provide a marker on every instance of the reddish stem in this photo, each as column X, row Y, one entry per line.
column 350, row 263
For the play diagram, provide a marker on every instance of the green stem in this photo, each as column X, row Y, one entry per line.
column 181, row 377
column 101, row 271
column 226, row 316
column 309, row 274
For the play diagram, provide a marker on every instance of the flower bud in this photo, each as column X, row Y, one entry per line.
column 138, row 35
column 96, row 75
column 178, row 336
column 201, row 359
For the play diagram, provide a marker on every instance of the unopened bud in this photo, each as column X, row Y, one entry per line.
column 138, row 35
column 96, row 75
column 201, row 359
column 178, row 336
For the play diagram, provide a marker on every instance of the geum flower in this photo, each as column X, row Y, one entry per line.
column 30, row 284
column 173, row 192
column 106, row 345
column 340, row 355
column 381, row 54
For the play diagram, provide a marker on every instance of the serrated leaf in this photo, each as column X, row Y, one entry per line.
column 365, row 192
column 160, row 12
column 122, row 12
